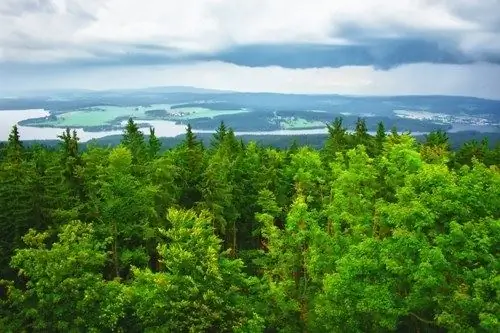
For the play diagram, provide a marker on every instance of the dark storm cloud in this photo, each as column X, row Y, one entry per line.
column 386, row 45
column 381, row 53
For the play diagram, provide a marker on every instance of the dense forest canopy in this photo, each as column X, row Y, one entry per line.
column 367, row 234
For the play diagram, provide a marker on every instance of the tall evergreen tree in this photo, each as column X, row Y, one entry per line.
column 361, row 136
column 14, row 145
column 437, row 138
column 133, row 139
column 380, row 138
column 71, row 161
column 219, row 135
column 190, row 160
column 472, row 150
column 190, row 140
column 337, row 140
column 154, row 144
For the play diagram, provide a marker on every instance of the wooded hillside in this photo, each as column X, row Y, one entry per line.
column 368, row 234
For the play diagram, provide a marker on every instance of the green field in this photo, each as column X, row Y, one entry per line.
column 95, row 116
column 194, row 113
column 107, row 115
column 296, row 123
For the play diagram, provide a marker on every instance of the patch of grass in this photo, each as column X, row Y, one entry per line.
column 299, row 123
column 112, row 115
column 194, row 113
column 95, row 116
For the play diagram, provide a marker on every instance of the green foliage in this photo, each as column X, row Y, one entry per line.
column 14, row 149
column 64, row 289
column 198, row 289
column 337, row 139
column 154, row 144
column 369, row 234
column 133, row 139
column 189, row 160
column 380, row 138
column 126, row 210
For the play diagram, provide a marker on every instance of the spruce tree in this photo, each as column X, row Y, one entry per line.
column 154, row 144
column 133, row 139
column 361, row 136
column 337, row 139
column 190, row 161
column 70, row 162
column 380, row 138
column 14, row 145
column 219, row 135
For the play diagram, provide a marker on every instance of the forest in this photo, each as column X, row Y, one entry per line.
column 368, row 233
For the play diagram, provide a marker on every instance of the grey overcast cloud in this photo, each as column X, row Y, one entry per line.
column 369, row 47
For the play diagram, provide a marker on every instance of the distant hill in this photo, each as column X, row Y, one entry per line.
column 72, row 93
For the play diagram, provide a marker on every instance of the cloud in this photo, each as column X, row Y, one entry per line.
column 380, row 53
column 355, row 46
column 98, row 31
column 478, row 80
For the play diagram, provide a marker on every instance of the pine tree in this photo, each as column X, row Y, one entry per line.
column 191, row 163
column 437, row 138
column 361, row 136
column 219, row 135
column 472, row 150
column 70, row 162
column 337, row 139
column 394, row 131
column 18, row 210
column 380, row 138
column 133, row 139
column 190, row 141
column 14, row 145
column 294, row 147
column 154, row 144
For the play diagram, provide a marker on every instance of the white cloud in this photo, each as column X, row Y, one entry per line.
column 479, row 80
column 79, row 27
column 34, row 31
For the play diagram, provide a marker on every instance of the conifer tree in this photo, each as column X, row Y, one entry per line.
column 14, row 145
column 380, row 138
column 190, row 159
column 219, row 135
column 154, row 144
column 337, row 139
column 386, row 236
column 133, row 139
column 70, row 162
column 361, row 136
column 191, row 141
column 18, row 211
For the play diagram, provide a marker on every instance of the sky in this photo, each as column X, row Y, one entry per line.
column 363, row 47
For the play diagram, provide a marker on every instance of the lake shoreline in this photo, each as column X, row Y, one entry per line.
column 163, row 128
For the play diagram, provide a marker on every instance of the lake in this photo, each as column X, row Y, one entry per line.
column 9, row 118
column 163, row 128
